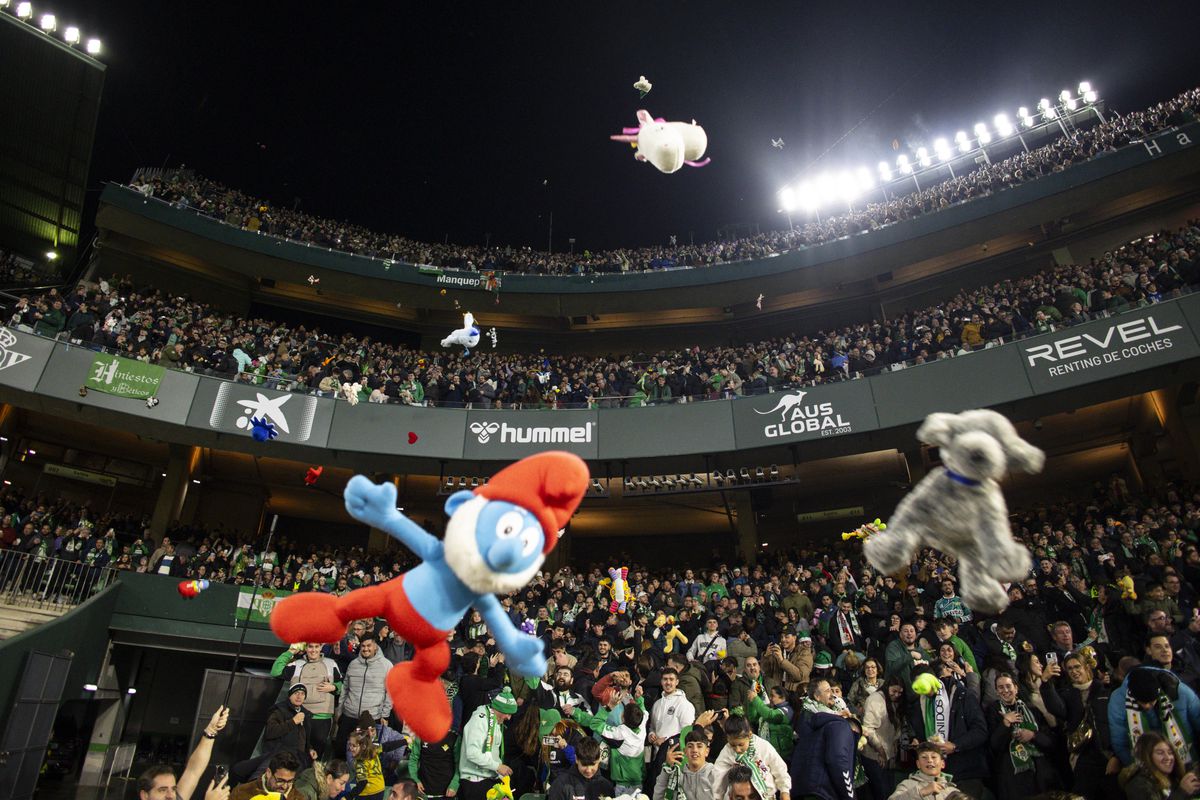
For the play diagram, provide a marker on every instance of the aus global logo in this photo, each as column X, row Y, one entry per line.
column 796, row 417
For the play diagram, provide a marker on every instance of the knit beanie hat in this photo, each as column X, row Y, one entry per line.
column 504, row 702
column 549, row 485
column 297, row 687
column 1144, row 685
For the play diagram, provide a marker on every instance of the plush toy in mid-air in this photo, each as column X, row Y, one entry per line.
column 643, row 86
column 958, row 508
column 618, row 589
column 496, row 540
column 666, row 633
column 666, row 145
column 465, row 337
column 865, row 531
column 189, row 589
column 262, row 430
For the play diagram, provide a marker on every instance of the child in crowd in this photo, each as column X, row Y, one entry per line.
column 768, row 772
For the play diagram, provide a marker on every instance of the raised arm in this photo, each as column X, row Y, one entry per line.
column 198, row 760
column 375, row 505
column 524, row 654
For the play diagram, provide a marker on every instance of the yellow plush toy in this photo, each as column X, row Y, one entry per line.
column 671, row 635
column 501, row 791
column 865, row 530
column 1126, row 584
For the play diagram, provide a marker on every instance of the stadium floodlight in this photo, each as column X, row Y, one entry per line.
column 48, row 23
column 885, row 171
column 71, row 34
column 1086, row 92
column 923, row 157
column 942, row 148
column 807, row 195
column 964, row 144
column 1026, row 117
column 1047, row 109
column 847, row 187
column 1067, row 100
column 903, row 165
column 24, row 10
column 93, row 47
column 827, row 188
column 51, row 255
column 982, row 134
column 1003, row 126
column 865, row 182
column 787, row 198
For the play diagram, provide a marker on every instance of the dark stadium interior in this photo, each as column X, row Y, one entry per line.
column 249, row 253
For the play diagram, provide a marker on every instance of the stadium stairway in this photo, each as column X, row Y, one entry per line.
column 18, row 619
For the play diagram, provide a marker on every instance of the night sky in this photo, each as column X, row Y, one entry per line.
column 445, row 119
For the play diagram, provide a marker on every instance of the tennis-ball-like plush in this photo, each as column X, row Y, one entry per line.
column 926, row 683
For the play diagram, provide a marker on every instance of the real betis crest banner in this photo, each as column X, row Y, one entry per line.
column 124, row 377
column 264, row 603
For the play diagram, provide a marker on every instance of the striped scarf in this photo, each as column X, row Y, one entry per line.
column 1176, row 734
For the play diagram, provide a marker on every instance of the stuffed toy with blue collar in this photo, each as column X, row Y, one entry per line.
column 496, row 540
column 958, row 508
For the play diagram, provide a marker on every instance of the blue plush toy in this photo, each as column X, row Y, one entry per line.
column 262, row 430
column 496, row 540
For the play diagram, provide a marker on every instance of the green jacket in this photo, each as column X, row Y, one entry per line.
column 773, row 725
column 51, row 323
column 626, row 756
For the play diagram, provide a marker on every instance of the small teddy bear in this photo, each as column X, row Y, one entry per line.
column 958, row 508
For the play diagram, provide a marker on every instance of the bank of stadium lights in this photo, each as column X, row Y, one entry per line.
column 846, row 187
column 48, row 24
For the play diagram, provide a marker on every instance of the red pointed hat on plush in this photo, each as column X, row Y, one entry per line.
column 549, row 485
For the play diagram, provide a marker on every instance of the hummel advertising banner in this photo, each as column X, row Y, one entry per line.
column 23, row 356
column 816, row 412
column 228, row 407
column 509, row 435
column 1106, row 348
column 70, row 366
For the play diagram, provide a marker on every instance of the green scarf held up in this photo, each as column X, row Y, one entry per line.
column 1020, row 754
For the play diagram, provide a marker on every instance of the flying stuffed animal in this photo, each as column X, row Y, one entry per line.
column 465, row 337
column 189, row 589
column 350, row 392
column 496, row 539
column 666, row 145
column 865, row 531
column 618, row 589
column 958, row 508
column 643, row 86
column 666, row 633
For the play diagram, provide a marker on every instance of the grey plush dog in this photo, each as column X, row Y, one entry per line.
column 959, row 510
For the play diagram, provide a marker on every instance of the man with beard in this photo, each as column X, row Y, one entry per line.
column 1185, row 651
column 565, row 697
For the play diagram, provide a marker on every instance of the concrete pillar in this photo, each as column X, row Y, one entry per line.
column 183, row 462
column 747, row 527
column 1183, row 430
column 109, row 725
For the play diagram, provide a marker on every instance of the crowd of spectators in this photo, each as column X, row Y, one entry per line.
column 151, row 325
column 806, row 660
column 237, row 208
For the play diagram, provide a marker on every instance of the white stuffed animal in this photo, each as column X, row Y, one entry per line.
column 666, row 145
column 465, row 337
column 958, row 508
column 350, row 392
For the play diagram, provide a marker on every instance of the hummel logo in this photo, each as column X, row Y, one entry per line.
column 9, row 358
column 484, row 430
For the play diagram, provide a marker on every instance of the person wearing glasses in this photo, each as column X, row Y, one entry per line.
column 279, row 777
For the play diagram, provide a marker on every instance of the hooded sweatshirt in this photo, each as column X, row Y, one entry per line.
column 626, row 758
